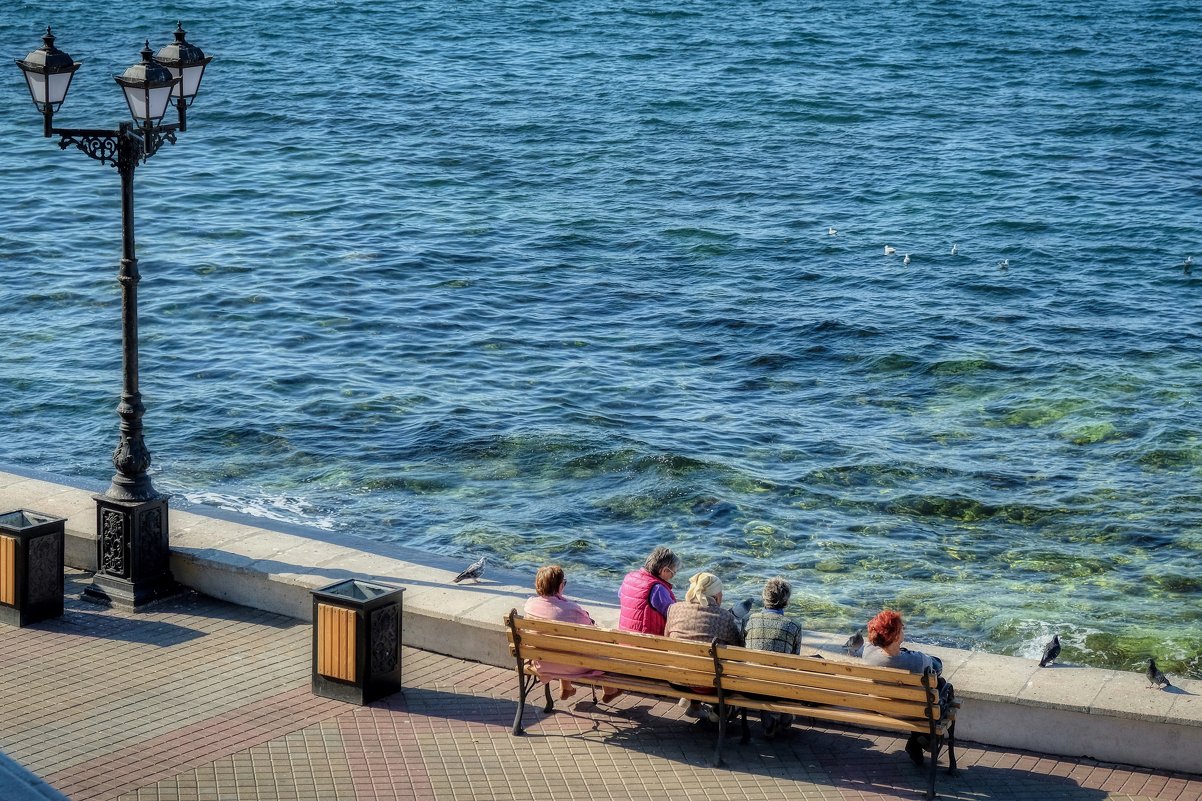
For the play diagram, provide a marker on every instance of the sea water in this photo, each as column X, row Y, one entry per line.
column 555, row 282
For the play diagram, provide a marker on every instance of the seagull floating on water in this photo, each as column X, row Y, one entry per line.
column 906, row 260
column 831, row 231
column 953, row 248
column 1187, row 266
column 1050, row 651
column 474, row 571
column 1155, row 677
column 890, row 250
column 1004, row 264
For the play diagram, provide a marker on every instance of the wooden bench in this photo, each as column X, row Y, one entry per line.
column 742, row 679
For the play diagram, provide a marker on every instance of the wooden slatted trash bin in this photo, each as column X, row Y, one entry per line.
column 31, row 567
column 357, row 640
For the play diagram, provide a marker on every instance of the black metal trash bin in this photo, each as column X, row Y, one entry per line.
column 357, row 640
column 31, row 567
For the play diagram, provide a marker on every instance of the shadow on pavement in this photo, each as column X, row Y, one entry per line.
column 82, row 623
column 850, row 760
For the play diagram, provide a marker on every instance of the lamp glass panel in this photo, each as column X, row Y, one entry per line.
column 59, row 82
column 137, row 101
column 37, row 87
column 159, row 98
column 191, row 82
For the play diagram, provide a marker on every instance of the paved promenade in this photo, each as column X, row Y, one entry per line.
column 200, row 700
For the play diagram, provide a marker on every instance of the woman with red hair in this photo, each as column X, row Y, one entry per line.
column 884, row 649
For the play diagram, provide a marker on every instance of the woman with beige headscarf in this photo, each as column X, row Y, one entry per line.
column 700, row 617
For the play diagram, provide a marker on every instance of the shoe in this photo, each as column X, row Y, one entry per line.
column 610, row 694
column 914, row 749
column 693, row 710
column 566, row 690
column 770, row 730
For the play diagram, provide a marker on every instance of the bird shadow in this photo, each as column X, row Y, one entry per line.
column 1175, row 690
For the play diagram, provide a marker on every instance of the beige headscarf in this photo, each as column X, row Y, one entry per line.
column 704, row 589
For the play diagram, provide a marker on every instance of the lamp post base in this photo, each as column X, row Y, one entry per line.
column 133, row 557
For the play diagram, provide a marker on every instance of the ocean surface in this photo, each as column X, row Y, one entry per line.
column 554, row 282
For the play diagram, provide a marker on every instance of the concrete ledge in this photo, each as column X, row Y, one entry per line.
column 1071, row 711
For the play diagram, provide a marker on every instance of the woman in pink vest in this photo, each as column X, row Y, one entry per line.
column 550, row 604
column 646, row 593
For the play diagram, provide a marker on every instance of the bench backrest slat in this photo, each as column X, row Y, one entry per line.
column 642, row 669
column 603, row 650
column 527, row 625
column 667, row 656
column 886, row 706
column 873, row 720
column 825, row 681
column 810, row 664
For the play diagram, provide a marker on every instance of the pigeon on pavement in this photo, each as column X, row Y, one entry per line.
column 1155, row 677
column 474, row 572
column 1050, row 651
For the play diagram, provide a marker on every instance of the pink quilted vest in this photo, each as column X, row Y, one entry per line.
column 635, row 610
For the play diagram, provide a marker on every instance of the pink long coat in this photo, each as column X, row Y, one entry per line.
column 558, row 608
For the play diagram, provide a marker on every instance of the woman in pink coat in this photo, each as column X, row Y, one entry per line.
column 550, row 604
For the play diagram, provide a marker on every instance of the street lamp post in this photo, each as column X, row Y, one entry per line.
column 133, row 554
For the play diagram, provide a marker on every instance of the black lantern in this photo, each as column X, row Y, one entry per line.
column 48, row 72
column 186, row 62
column 147, row 86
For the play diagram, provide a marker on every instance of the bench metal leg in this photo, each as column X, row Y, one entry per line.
column 936, row 741
column 722, row 710
column 525, row 685
column 550, row 707
column 951, row 750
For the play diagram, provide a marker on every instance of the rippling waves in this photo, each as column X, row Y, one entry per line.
column 553, row 282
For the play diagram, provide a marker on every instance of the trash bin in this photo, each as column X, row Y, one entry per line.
column 357, row 641
column 31, row 567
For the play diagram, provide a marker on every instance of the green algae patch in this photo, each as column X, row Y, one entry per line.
column 1093, row 434
column 1042, row 414
column 1176, row 583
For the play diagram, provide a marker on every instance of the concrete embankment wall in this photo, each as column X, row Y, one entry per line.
column 1072, row 711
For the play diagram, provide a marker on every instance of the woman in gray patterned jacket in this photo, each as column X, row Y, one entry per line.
column 770, row 630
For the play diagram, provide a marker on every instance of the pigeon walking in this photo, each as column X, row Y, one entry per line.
column 1155, row 677
column 854, row 643
column 1050, row 651
column 474, row 572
